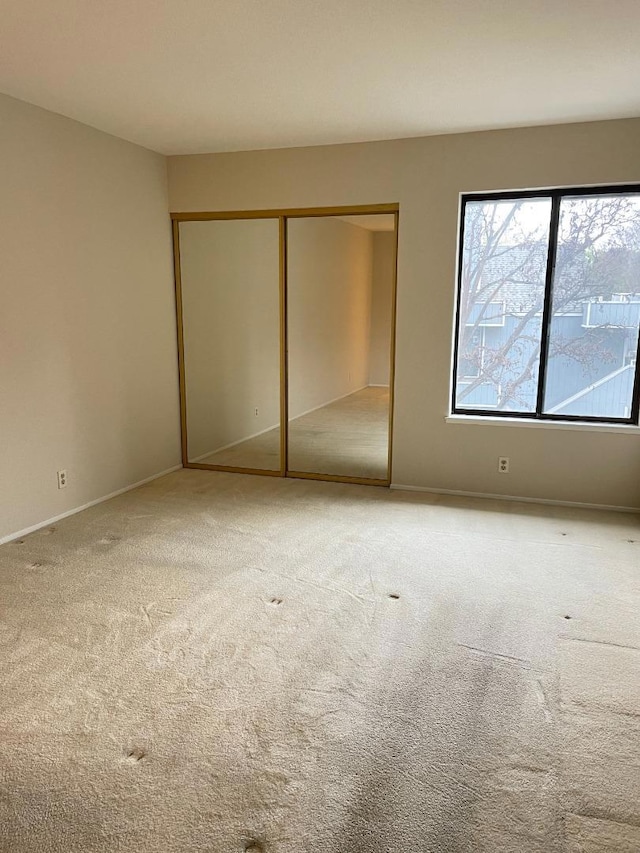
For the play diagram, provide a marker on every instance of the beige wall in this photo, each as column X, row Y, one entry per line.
column 87, row 331
column 329, row 309
column 426, row 176
column 384, row 253
column 230, row 294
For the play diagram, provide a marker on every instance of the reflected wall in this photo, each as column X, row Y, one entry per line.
column 231, row 339
column 338, row 421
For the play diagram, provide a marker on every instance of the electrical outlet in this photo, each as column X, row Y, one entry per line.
column 503, row 464
column 255, row 411
column 62, row 479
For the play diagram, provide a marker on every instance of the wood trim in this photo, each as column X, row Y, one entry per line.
column 175, row 229
column 392, row 353
column 346, row 210
column 284, row 352
column 282, row 215
column 233, row 469
column 337, row 478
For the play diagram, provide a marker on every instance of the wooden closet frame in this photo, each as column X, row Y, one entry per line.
column 282, row 216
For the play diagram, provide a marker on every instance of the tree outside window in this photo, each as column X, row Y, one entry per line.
column 549, row 305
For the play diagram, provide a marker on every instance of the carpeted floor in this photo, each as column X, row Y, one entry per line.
column 217, row 663
column 347, row 437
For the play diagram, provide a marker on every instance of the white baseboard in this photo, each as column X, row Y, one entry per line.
column 329, row 402
column 234, row 443
column 377, row 385
column 515, row 498
column 276, row 426
column 77, row 509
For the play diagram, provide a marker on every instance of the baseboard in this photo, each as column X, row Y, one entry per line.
column 276, row 426
column 329, row 402
column 77, row 509
column 514, row 498
column 377, row 385
column 234, row 443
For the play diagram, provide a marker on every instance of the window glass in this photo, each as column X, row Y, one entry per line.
column 502, row 286
column 593, row 332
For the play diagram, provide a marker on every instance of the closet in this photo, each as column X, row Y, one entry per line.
column 286, row 334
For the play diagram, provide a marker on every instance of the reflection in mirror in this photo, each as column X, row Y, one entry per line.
column 231, row 330
column 340, row 281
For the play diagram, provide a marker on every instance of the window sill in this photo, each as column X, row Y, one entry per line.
column 619, row 429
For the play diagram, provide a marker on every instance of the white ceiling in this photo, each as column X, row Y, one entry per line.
column 224, row 75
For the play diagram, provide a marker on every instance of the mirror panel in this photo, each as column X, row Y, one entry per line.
column 340, row 283
column 230, row 282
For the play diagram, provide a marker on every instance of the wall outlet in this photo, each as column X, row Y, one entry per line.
column 255, row 411
column 62, row 479
column 503, row 464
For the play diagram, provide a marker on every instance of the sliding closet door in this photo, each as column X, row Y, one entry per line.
column 339, row 317
column 230, row 294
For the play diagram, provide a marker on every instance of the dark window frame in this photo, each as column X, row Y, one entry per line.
column 556, row 195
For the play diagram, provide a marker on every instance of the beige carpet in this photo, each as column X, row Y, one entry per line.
column 349, row 437
column 217, row 663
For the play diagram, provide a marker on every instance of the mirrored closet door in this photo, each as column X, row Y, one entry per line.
column 229, row 284
column 340, row 306
column 286, row 339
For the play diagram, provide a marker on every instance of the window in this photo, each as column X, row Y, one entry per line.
column 548, row 308
column 471, row 358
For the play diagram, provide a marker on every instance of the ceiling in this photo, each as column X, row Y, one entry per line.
column 225, row 75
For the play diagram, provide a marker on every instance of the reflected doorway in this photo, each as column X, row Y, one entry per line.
column 340, row 304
